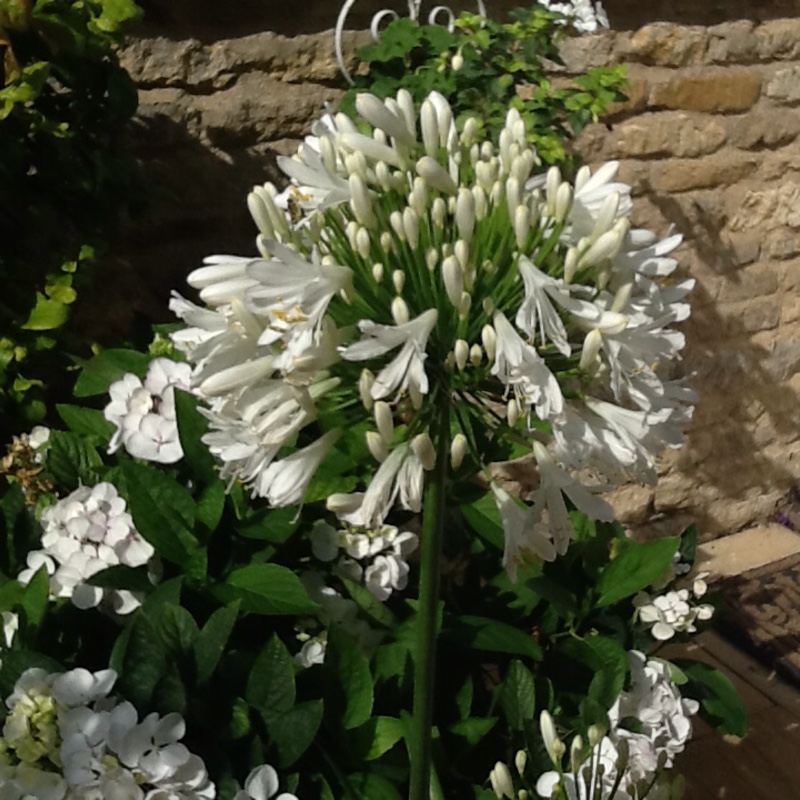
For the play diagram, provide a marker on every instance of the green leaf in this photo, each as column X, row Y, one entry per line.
column 720, row 703
column 177, row 628
column 106, row 368
column 634, row 569
column 484, row 518
column 144, row 663
column 72, row 461
column 155, row 501
column 134, row 579
column 211, row 505
column 473, row 729
column 464, row 698
column 379, row 735
column 271, row 525
column 210, row 642
column 293, row 731
column 47, row 315
column 370, row 604
column 266, row 589
column 35, row 597
column 481, row 633
column 369, row 785
column 351, row 699
column 87, row 421
column 518, row 695
column 270, row 687
column 192, row 425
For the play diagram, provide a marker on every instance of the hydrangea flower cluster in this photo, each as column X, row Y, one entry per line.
column 414, row 278
column 83, row 534
column 64, row 738
column 587, row 16
column 621, row 763
column 675, row 611
column 376, row 558
column 144, row 412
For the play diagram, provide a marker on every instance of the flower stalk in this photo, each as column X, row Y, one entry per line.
column 428, row 610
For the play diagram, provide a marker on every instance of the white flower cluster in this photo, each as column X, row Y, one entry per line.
column 83, row 534
column 623, row 764
column 64, row 738
column 588, row 16
column 675, row 611
column 413, row 270
column 144, row 412
column 376, row 558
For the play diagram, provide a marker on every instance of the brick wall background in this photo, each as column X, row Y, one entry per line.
column 709, row 141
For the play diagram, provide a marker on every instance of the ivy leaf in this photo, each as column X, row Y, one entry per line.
column 268, row 589
column 211, row 640
column 634, row 569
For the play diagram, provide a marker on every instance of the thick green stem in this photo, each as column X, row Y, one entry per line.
column 428, row 614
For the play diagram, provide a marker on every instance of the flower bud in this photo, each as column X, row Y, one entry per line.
column 512, row 412
column 423, row 447
column 439, row 212
column 592, row 345
column 576, row 756
column 453, row 279
column 458, row 449
column 570, row 264
column 464, row 305
column 384, row 176
column 260, row 215
column 606, row 215
column 457, row 62
column 465, row 214
column 384, row 420
column 554, row 746
column 375, row 111
column 622, row 297
column 475, row 355
column 398, row 280
column 431, row 259
column 488, row 306
column 513, row 195
column 479, row 196
column 411, row 227
column 365, row 382
column 502, row 783
column 596, row 734
column 360, row 202
column 338, row 503
column 522, row 225
column 461, row 352
column 377, row 272
column 497, row 193
column 387, row 242
column 469, row 132
column 396, row 221
column 430, row 128
column 552, row 185
column 563, row 202
column 521, row 761
column 377, row 446
column 400, row 313
column 435, row 175
column 489, row 339
column 418, row 198
column 363, row 242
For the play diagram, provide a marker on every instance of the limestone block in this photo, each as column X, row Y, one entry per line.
column 764, row 127
column 782, row 243
column 663, row 44
column 720, row 91
column 759, row 280
column 582, row 52
column 785, row 86
column 770, row 208
column 732, row 43
column 668, row 134
column 632, row 504
column 778, row 39
column 721, row 169
column 159, row 61
column 752, row 316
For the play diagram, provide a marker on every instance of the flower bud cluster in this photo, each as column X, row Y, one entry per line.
column 144, row 412
column 83, row 534
column 64, row 738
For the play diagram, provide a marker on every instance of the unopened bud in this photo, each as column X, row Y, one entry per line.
column 377, row 446
column 439, row 212
column 365, row 383
column 464, row 305
column 488, row 306
column 521, row 761
column 461, row 352
column 570, row 264
column 411, row 227
column 475, row 355
column 576, row 756
column 461, row 252
column 425, row 451
column 360, row 202
column 596, row 734
column 563, row 202
column 457, row 62
column 377, row 272
column 489, row 339
column 387, row 242
column 554, row 746
column 435, row 175
column 458, row 450
column 399, row 280
column 400, row 312
column 384, row 420
column 453, row 279
column 512, row 412
column 396, row 221
column 502, row 783
column 522, row 225
column 465, row 214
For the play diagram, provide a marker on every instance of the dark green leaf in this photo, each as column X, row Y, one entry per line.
column 210, row 642
column 211, row 505
column 369, row 604
column 122, row 577
column 351, row 694
column 270, row 687
column 293, row 731
column 720, row 703
column 88, row 421
column 72, row 461
column 266, row 589
column 35, row 597
column 473, row 729
column 272, row 525
column 106, row 368
column 518, row 695
column 177, row 628
column 481, row 633
column 377, row 736
column 144, row 663
column 372, row 786
column 191, row 427
column 634, row 569
column 484, row 518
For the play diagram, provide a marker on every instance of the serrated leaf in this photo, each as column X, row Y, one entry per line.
column 518, row 695
column 87, row 421
column 72, row 460
column 210, row 642
column 268, row 589
column 270, row 687
column 107, row 367
column 634, row 569
column 351, row 694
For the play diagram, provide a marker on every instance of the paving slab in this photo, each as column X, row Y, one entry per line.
column 746, row 550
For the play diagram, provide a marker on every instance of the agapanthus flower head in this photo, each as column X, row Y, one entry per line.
column 84, row 533
column 421, row 278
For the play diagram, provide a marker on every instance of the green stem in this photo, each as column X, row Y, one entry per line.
column 428, row 611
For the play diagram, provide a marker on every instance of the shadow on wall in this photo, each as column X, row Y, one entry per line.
column 210, row 20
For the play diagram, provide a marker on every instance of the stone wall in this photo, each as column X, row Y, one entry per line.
column 709, row 141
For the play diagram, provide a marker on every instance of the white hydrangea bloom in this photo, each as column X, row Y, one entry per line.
column 69, row 740
column 675, row 611
column 85, row 533
column 144, row 412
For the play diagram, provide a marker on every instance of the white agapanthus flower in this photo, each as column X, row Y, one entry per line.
column 412, row 269
column 65, row 738
column 83, row 534
column 144, row 412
